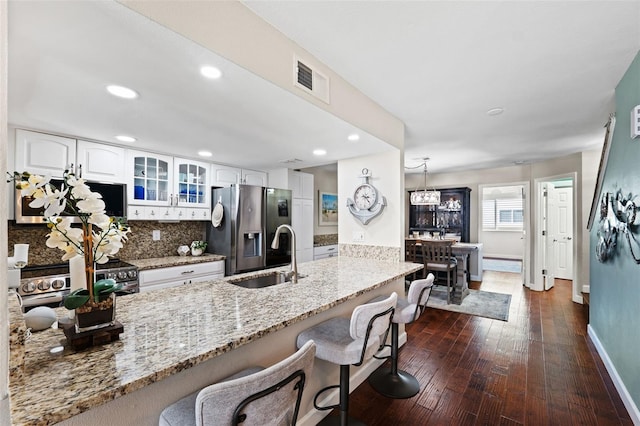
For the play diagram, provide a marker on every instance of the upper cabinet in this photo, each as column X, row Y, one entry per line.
column 300, row 183
column 96, row 161
column 223, row 176
column 44, row 154
column 167, row 188
column 152, row 178
column 254, row 177
column 51, row 155
column 191, row 183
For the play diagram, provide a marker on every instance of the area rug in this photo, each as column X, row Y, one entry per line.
column 481, row 303
column 502, row 265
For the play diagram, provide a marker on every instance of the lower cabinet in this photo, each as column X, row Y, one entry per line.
column 167, row 213
column 174, row 276
column 323, row 252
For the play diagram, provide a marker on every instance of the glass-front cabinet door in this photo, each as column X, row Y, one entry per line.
column 191, row 183
column 152, row 178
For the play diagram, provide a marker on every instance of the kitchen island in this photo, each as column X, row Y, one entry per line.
column 176, row 341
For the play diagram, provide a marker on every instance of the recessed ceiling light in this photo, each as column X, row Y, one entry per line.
column 495, row 111
column 319, row 152
column 125, row 138
column 122, row 92
column 205, row 153
column 353, row 137
column 210, row 72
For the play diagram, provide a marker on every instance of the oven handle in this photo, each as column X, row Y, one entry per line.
column 41, row 299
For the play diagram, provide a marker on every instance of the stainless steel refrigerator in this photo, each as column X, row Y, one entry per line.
column 277, row 212
column 250, row 217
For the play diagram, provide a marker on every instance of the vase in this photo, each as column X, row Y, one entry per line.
column 196, row 251
column 96, row 315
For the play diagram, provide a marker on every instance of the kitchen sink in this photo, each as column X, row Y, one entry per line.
column 277, row 277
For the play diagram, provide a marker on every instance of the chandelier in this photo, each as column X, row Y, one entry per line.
column 425, row 197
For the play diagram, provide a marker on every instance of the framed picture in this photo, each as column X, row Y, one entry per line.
column 327, row 209
column 602, row 167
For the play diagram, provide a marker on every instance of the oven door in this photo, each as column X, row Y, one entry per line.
column 51, row 300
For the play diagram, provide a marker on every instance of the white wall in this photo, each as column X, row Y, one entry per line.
column 325, row 179
column 4, row 317
column 387, row 176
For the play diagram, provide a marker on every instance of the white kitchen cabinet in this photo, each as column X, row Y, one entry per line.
column 191, row 186
column 300, row 183
column 100, row 162
column 323, row 252
column 175, row 276
column 223, row 176
column 254, row 177
column 51, row 155
column 44, row 154
column 167, row 188
column 151, row 178
column 302, row 223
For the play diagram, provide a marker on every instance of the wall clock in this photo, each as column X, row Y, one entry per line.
column 367, row 202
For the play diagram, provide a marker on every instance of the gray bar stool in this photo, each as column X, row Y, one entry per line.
column 349, row 342
column 396, row 383
column 255, row 396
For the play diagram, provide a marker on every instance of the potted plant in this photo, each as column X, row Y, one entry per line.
column 198, row 247
column 96, row 239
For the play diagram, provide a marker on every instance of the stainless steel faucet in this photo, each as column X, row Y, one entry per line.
column 276, row 242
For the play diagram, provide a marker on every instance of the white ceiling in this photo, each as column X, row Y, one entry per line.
column 62, row 55
column 438, row 66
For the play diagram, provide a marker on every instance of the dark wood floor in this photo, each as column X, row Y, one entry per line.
column 539, row 368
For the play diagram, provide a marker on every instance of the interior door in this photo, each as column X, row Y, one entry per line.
column 525, row 243
column 548, row 212
column 561, row 231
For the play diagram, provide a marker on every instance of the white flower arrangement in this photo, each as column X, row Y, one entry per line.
column 76, row 198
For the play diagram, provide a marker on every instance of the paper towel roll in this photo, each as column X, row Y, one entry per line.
column 21, row 255
column 77, row 273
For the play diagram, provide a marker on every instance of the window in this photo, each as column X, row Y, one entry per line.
column 502, row 208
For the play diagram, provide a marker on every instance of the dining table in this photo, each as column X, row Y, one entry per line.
column 462, row 252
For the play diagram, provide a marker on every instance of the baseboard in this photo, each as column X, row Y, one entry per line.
column 313, row 417
column 631, row 407
column 494, row 256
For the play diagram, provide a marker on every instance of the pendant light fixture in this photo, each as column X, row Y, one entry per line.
column 425, row 197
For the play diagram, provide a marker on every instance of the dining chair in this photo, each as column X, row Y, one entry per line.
column 413, row 254
column 438, row 259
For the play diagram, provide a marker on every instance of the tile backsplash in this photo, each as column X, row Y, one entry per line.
column 140, row 244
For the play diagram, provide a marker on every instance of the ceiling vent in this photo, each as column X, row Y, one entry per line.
column 291, row 161
column 310, row 80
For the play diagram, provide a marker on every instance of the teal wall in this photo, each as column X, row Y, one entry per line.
column 614, row 312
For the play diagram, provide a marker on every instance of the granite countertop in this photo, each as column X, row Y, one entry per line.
column 325, row 243
column 168, row 261
column 154, row 321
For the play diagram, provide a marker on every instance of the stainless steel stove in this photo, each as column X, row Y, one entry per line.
column 47, row 285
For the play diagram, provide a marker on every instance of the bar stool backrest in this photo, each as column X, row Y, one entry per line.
column 416, row 294
column 271, row 396
column 362, row 325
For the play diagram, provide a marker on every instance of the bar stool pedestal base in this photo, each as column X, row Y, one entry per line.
column 399, row 386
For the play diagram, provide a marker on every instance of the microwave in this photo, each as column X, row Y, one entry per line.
column 114, row 196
